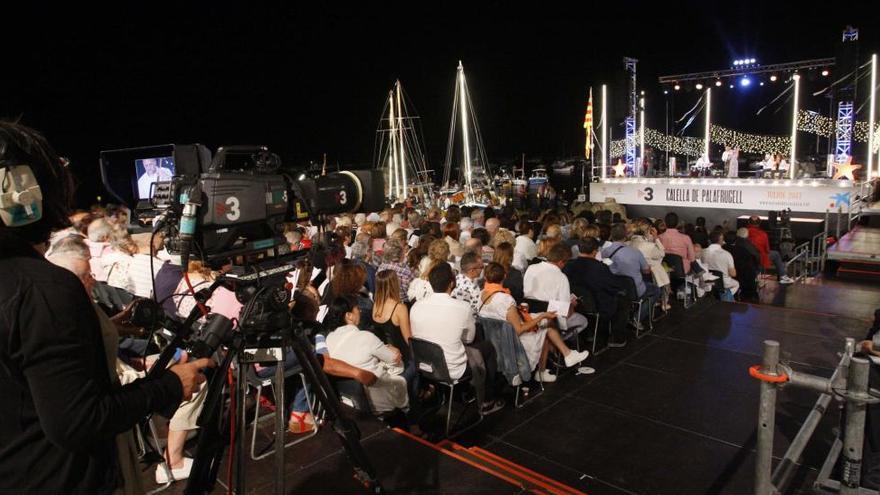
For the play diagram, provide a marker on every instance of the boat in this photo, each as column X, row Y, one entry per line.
column 399, row 151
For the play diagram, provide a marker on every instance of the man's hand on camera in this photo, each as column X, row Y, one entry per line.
column 190, row 374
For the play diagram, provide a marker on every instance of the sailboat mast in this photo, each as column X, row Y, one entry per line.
column 395, row 186
column 466, row 142
column 400, row 141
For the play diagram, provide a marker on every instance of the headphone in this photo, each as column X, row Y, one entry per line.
column 21, row 199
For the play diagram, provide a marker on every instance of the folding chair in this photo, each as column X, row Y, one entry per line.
column 588, row 307
column 259, row 383
column 490, row 325
column 431, row 363
column 679, row 277
column 637, row 304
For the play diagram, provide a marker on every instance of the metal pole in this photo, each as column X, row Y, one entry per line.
column 280, row 422
column 854, row 431
column 766, row 418
column 839, row 213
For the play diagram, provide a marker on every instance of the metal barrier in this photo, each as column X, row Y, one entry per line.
column 848, row 384
column 809, row 257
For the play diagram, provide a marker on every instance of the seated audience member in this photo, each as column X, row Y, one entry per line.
column 534, row 333
column 577, row 231
column 492, row 226
column 450, row 324
column 486, row 250
column 525, row 248
column 674, row 242
column 700, row 235
column 545, row 281
column 467, row 287
column 513, row 281
column 395, row 260
column 759, row 239
column 361, row 254
column 716, row 258
column 478, row 217
column 451, row 236
column 552, row 236
column 361, row 349
column 628, row 262
column 420, row 288
column 745, row 264
column 644, row 240
column 349, row 279
column 378, row 233
column 590, row 274
column 742, row 240
column 391, row 317
column 99, row 234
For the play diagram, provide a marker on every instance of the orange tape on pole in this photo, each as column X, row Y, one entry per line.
column 755, row 372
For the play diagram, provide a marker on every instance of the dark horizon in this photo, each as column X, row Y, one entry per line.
column 305, row 82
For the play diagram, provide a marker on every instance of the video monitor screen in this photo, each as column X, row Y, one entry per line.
column 149, row 171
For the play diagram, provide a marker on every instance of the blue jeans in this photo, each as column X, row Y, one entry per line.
column 293, row 386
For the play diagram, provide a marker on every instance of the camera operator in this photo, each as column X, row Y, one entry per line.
column 60, row 412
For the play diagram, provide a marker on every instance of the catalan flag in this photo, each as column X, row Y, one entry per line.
column 588, row 125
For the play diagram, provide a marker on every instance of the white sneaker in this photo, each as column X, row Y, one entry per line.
column 181, row 473
column 516, row 381
column 708, row 277
column 575, row 357
column 546, row 377
column 785, row 279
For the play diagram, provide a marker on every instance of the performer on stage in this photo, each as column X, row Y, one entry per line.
column 732, row 162
column 703, row 165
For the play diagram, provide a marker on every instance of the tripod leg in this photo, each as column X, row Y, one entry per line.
column 348, row 432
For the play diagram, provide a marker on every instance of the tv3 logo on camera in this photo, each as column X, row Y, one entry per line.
column 231, row 206
column 646, row 194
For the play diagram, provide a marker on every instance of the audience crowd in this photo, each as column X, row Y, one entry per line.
column 377, row 281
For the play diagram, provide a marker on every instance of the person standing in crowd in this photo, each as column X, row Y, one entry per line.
column 759, row 239
column 62, row 410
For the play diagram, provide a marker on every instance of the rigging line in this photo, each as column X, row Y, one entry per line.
column 780, row 95
column 699, row 102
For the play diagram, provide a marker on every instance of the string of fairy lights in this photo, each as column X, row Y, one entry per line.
column 808, row 122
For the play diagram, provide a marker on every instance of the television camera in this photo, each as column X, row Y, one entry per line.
column 229, row 211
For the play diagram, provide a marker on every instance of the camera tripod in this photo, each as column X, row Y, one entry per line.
column 273, row 330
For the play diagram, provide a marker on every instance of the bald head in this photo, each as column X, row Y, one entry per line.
column 492, row 226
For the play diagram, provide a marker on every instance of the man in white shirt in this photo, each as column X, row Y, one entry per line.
column 545, row 282
column 152, row 173
column 525, row 249
column 467, row 287
column 450, row 324
column 716, row 258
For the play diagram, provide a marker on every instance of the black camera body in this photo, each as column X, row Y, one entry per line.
column 236, row 205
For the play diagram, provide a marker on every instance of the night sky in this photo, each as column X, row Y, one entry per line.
column 306, row 80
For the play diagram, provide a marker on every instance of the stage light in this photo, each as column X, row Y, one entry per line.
column 762, row 83
column 676, row 87
column 665, row 91
column 745, row 81
column 736, row 62
column 773, row 78
column 796, row 77
column 752, row 61
column 731, row 86
column 825, row 72
column 718, row 83
column 699, row 86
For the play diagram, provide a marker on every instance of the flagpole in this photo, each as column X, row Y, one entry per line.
column 604, row 131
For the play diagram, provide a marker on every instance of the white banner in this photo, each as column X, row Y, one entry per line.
column 800, row 195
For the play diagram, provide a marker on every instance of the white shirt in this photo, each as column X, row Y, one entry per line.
column 544, row 281
column 360, row 349
column 162, row 174
column 524, row 251
column 716, row 258
column 446, row 322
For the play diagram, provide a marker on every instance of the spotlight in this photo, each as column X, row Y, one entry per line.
column 762, row 83
column 773, row 78
column 699, row 86
column 751, row 60
column 676, row 87
column 665, row 91
column 731, row 86
column 745, row 81
column 718, row 83
column 825, row 72
column 796, row 77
